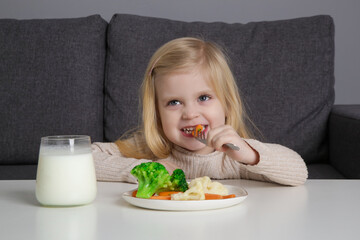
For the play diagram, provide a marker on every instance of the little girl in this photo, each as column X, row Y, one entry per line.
column 188, row 82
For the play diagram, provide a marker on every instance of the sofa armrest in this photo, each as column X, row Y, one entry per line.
column 344, row 139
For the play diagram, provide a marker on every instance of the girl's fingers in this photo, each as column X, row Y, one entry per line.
column 219, row 136
column 218, row 130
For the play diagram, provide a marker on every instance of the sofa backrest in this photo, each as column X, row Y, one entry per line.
column 284, row 69
column 51, row 82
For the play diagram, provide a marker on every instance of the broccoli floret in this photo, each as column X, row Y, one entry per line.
column 152, row 177
column 178, row 181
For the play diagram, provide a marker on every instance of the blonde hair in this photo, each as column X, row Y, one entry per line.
column 180, row 54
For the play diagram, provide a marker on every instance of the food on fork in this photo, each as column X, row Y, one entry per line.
column 199, row 128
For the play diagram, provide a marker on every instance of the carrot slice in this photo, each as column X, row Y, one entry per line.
column 198, row 129
column 211, row 196
column 228, row 196
column 167, row 193
column 134, row 193
column 161, row 197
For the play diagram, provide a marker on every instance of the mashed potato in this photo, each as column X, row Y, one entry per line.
column 198, row 187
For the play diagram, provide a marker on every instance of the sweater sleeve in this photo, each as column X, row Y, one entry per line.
column 277, row 164
column 111, row 165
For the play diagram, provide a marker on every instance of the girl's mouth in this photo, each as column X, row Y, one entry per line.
column 188, row 130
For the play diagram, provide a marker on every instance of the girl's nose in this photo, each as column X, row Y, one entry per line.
column 190, row 112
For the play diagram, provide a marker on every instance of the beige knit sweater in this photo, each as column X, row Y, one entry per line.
column 277, row 164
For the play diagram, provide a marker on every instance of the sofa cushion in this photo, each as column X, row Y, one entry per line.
column 18, row 171
column 285, row 71
column 51, row 75
column 344, row 139
column 323, row 171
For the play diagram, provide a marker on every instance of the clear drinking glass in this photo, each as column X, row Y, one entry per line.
column 66, row 172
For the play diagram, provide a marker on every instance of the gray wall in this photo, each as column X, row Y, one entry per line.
column 346, row 14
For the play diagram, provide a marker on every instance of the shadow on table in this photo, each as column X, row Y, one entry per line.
column 66, row 223
column 24, row 197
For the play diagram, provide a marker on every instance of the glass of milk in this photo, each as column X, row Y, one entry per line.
column 66, row 172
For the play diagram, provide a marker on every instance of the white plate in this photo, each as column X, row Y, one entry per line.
column 192, row 205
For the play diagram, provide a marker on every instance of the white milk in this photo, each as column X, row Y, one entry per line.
column 65, row 179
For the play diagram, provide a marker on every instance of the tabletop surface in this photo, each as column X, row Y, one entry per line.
column 320, row 209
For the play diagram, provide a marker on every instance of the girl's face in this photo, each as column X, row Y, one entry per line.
column 184, row 100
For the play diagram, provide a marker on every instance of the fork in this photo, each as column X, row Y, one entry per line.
column 200, row 136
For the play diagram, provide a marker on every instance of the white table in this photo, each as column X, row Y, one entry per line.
column 321, row 209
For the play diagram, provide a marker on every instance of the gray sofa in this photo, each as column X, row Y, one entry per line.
column 82, row 76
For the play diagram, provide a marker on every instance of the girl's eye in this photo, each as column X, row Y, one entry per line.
column 173, row 103
column 203, row 98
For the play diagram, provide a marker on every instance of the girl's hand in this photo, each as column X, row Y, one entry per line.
column 218, row 136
